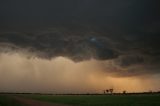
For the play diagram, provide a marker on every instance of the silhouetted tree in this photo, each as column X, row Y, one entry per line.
column 107, row 91
column 124, row 92
column 111, row 90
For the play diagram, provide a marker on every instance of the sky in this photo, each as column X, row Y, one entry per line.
column 79, row 46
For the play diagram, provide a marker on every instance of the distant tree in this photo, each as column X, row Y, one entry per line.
column 124, row 92
column 111, row 90
column 107, row 91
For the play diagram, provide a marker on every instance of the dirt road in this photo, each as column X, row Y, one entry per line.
column 30, row 102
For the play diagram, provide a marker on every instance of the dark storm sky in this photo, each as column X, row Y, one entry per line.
column 126, row 31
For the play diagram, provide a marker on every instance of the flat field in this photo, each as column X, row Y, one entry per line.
column 7, row 100
column 89, row 100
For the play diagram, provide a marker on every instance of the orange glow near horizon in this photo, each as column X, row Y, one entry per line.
column 62, row 75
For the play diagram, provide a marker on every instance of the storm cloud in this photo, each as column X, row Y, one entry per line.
column 122, row 36
column 84, row 44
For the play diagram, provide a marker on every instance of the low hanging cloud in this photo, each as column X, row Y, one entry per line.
column 137, row 54
column 43, row 62
column 78, row 45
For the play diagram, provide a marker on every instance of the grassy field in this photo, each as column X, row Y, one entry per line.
column 88, row 100
column 6, row 100
column 101, row 100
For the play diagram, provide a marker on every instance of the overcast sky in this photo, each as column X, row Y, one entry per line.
column 118, row 38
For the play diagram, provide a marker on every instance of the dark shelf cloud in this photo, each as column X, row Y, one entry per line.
column 125, row 33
